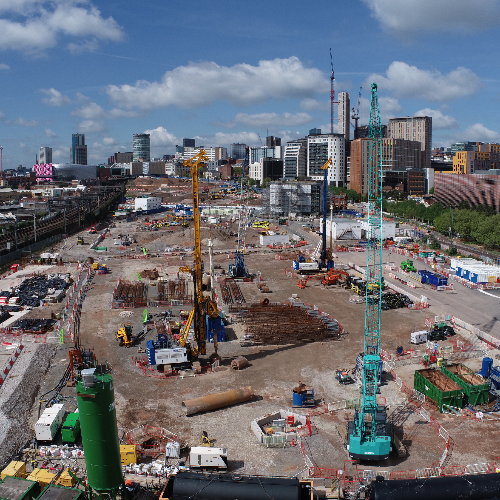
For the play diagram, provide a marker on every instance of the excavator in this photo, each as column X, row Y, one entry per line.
column 334, row 276
column 124, row 336
column 203, row 306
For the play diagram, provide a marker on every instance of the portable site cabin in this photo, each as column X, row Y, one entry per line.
column 475, row 387
column 436, row 386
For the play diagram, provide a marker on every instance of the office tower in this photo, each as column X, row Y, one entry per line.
column 188, row 143
column 142, row 147
column 344, row 115
column 238, row 151
column 295, row 163
column 413, row 128
column 45, row 155
column 272, row 142
column 78, row 150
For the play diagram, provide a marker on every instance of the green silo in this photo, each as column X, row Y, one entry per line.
column 96, row 406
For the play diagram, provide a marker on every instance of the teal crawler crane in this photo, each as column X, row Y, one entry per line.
column 369, row 434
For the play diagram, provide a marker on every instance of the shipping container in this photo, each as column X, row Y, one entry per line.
column 49, row 423
column 433, row 278
column 436, row 386
column 474, row 387
column 17, row 488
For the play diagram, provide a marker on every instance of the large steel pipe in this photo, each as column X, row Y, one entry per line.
column 218, row 400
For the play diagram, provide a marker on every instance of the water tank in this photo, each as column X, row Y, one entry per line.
column 96, row 406
column 486, row 367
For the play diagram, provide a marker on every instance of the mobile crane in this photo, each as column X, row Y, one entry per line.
column 202, row 306
column 369, row 434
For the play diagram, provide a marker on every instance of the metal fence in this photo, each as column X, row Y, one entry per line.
column 17, row 254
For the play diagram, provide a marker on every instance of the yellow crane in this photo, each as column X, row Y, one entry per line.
column 202, row 306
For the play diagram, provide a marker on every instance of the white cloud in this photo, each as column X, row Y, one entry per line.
column 478, row 132
column 2, row 116
column 85, row 46
column 54, row 97
column 225, row 139
column 91, row 126
column 90, row 111
column 201, row 84
column 49, row 133
column 405, row 18
column 389, row 108
column 410, row 82
column 310, row 104
column 160, row 136
column 439, row 120
column 36, row 25
column 108, row 141
column 4, row 66
column 26, row 123
column 269, row 120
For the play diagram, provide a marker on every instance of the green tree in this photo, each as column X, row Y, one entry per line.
column 266, row 182
column 431, row 190
column 251, row 181
column 435, row 245
column 237, row 171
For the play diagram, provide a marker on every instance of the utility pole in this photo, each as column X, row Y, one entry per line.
column 65, row 220
column 15, row 228
column 1, row 161
column 34, row 219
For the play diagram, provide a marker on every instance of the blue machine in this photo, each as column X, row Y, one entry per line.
column 486, row 367
column 303, row 398
column 215, row 327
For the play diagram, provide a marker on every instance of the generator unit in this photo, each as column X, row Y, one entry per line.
column 49, row 423
column 202, row 457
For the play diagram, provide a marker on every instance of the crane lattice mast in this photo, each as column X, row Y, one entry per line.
column 369, row 433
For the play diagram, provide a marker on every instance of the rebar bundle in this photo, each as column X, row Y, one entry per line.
column 129, row 292
column 283, row 324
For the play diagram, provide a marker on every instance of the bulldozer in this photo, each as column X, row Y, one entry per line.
column 124, row 336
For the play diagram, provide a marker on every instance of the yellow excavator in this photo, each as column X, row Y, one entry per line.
column 202, row 306
column 124, row 336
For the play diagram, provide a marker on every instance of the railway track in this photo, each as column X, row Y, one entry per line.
column 55, row 224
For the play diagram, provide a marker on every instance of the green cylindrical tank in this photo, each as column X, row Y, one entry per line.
column 96, row 406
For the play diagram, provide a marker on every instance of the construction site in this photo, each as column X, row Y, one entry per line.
column 194, row 362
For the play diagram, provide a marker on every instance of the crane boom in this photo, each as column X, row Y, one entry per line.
column 323, row 261
column 369, row 433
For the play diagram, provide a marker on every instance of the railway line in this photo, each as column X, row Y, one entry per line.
column 44, row 228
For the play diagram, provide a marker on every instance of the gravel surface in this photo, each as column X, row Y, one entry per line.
column 17, row 396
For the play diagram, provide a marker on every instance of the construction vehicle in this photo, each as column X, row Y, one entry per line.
column 206, row 441
column 369, row 434
column 203, row 306
column 325, row 260
column 334, row 276
column 343, row 377
column 302, row 283
column 407, row 265
column 80, row 240
column 238, row 270
column 124, row 336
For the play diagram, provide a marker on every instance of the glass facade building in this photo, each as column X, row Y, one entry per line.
column 142, row 147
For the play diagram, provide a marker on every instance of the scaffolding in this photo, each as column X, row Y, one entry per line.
column 295, row 197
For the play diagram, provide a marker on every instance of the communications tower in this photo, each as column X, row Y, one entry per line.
column 369, row 434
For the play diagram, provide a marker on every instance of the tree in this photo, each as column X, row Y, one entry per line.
column 435, row 245
column 251, row 181
column 431, row 190
column 266, row 182
column 237, row 171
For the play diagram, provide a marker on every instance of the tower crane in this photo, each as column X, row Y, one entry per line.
column 355, row 115
column 202, row 306
column 325, row 259
column 369, row 434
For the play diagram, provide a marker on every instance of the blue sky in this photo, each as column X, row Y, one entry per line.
column 225, row 71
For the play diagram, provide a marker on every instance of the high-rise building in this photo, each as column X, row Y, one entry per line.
column 78, row 150
column 344, row 115
column 45, row 155
column 272, row 142
column 319, row 149
column 238, row 151
column 398, row 155
column 295, row 160
column 142, row 147
column 256, row 153
column 413, row 128
column 188, row 143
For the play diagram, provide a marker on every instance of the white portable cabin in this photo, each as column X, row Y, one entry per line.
column 49, row 423
column 200, row 456
column 419, row 337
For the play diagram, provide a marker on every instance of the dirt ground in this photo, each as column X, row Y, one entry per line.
column 273, row 370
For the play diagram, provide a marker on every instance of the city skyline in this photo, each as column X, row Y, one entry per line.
column 107, row 73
